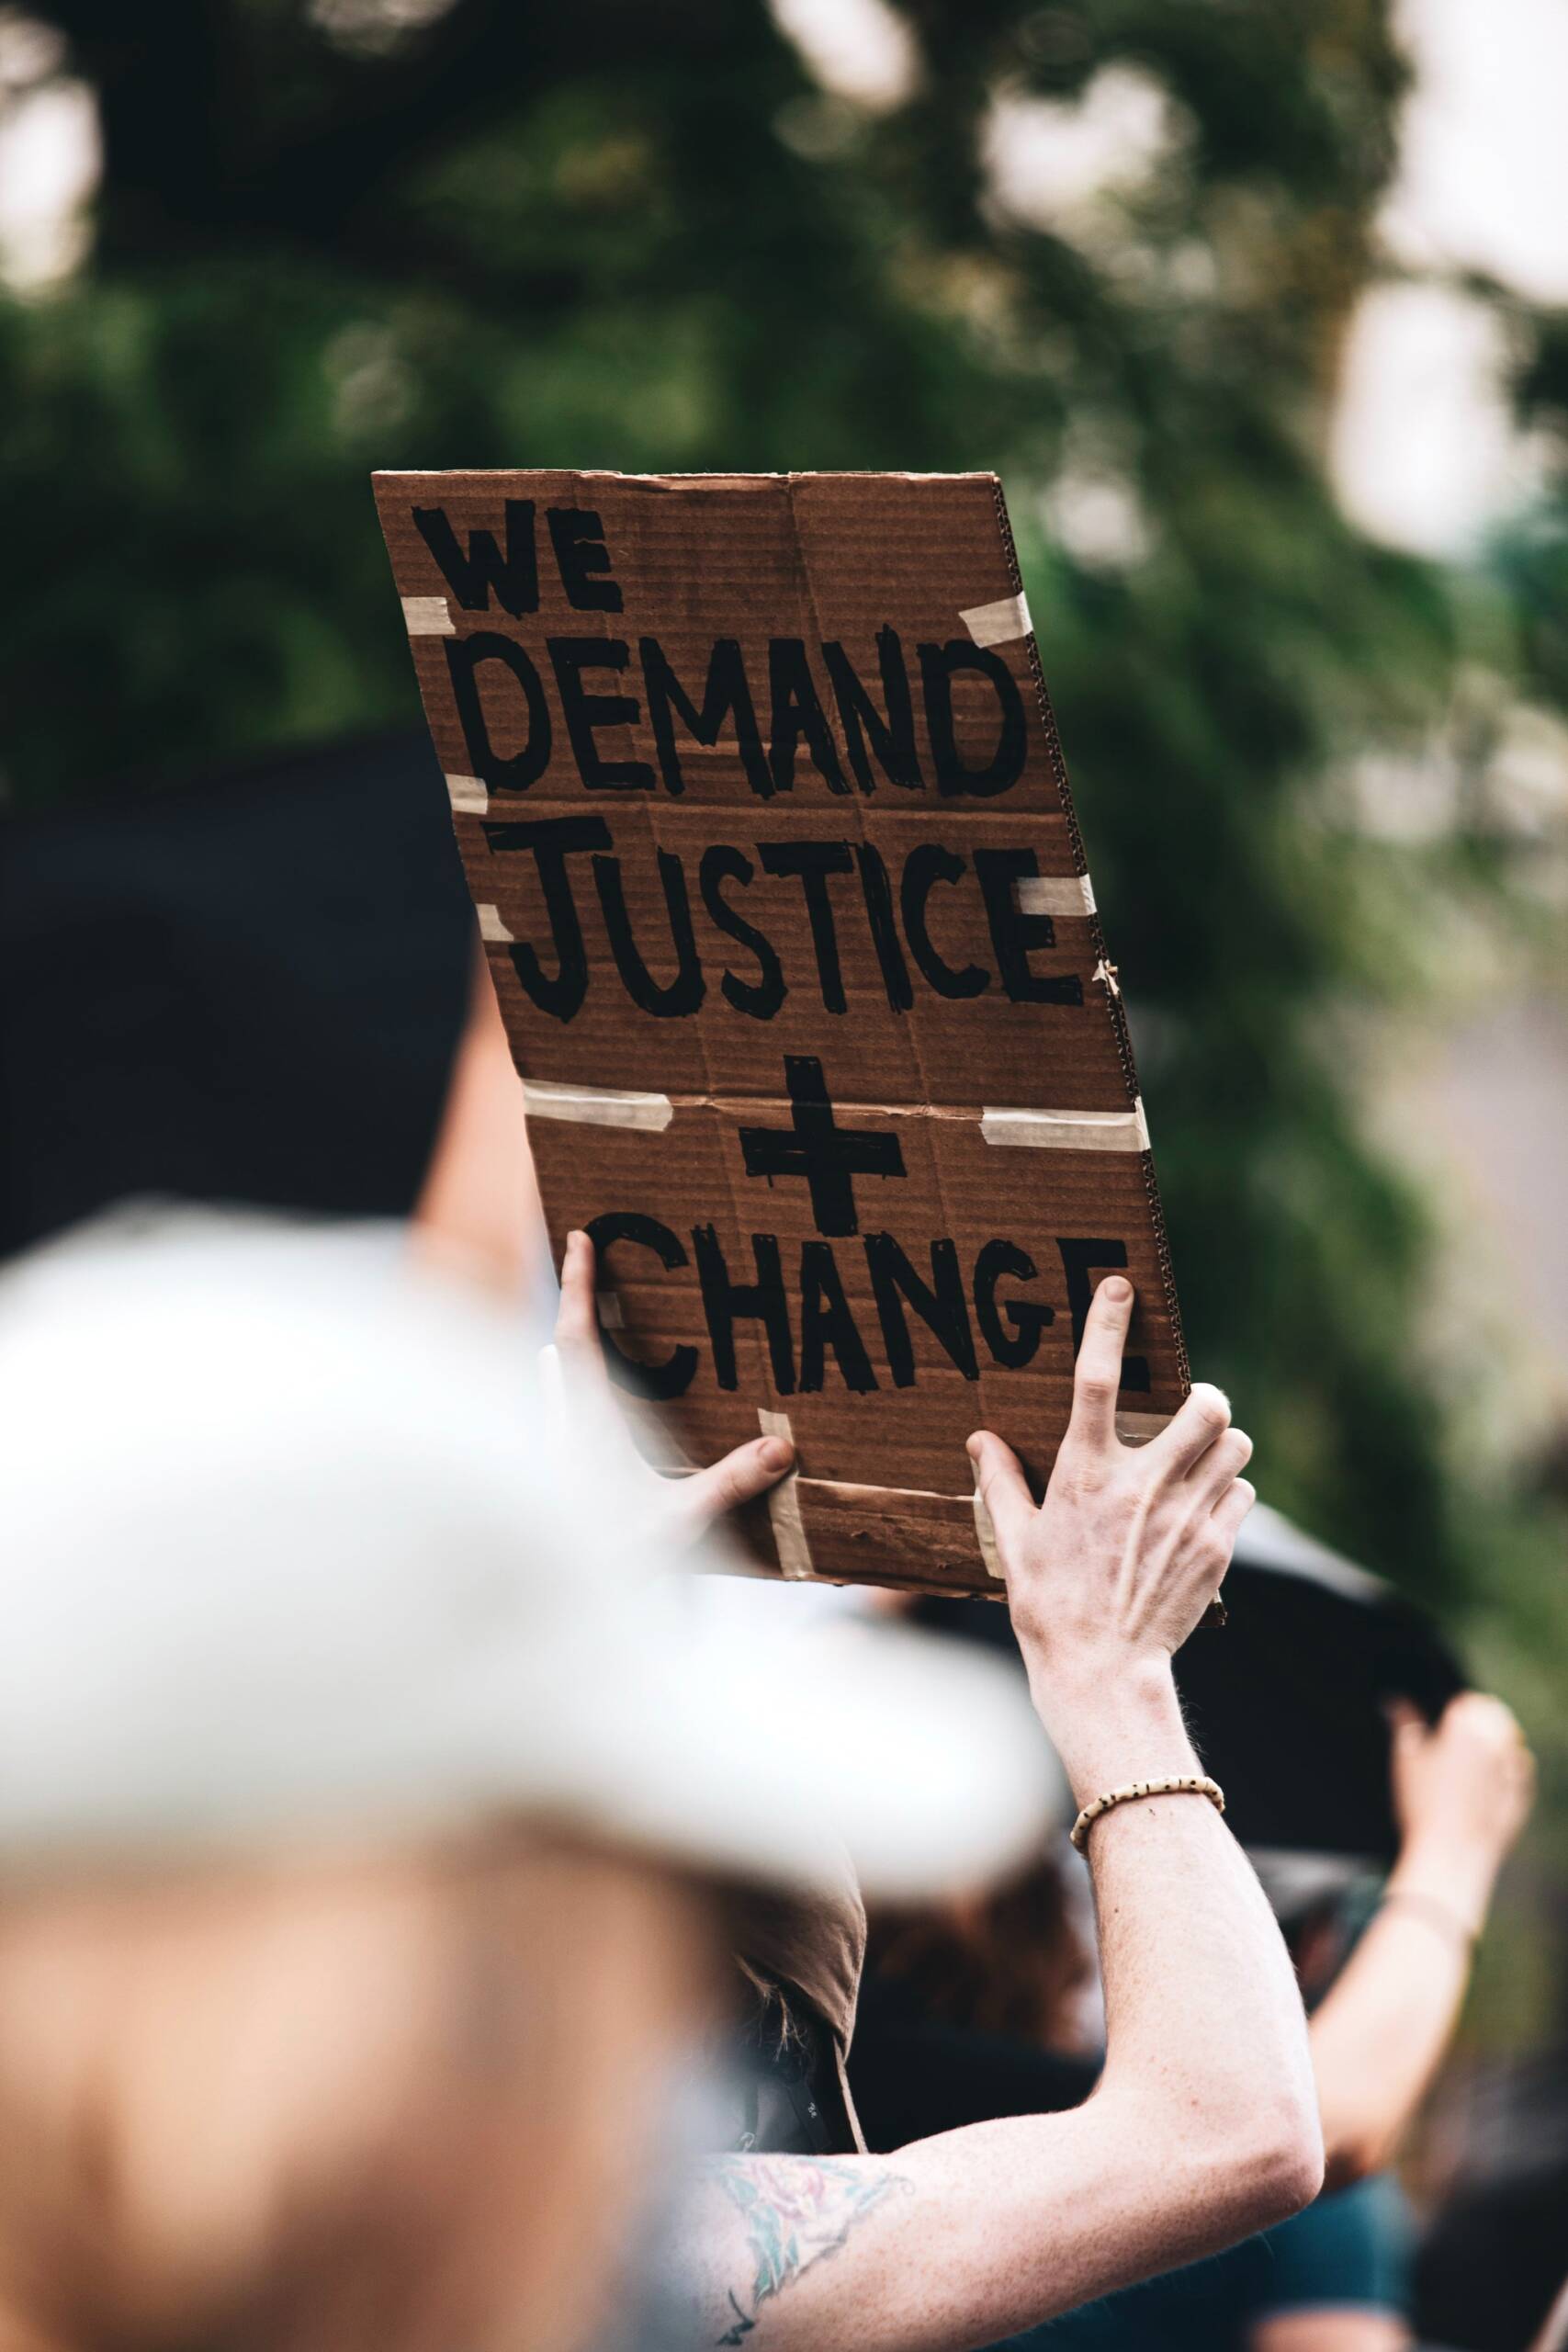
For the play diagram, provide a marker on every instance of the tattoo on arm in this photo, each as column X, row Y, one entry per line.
column 797, row 2210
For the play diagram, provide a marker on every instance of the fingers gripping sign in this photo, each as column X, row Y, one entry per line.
column 1132, row 1543
column 678, row 1510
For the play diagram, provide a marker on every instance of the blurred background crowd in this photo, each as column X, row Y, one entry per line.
column 1261, row 315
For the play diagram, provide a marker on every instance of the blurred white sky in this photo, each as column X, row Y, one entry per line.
column 1424, row 452
column 1484, row 163
column 862, row 50
column 1051, row 163
column 49, row 154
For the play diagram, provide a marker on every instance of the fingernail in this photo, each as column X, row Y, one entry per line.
column 1117, row 1289
column 775, row 1454
column 574, row 1236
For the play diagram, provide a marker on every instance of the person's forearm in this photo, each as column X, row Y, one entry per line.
column 1205, row 2034
column 1207, row 2075
column 1379, row 2034
column 1203, row 2127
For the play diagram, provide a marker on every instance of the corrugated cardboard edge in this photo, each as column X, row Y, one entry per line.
column 567, row 475
column 1115, row 1005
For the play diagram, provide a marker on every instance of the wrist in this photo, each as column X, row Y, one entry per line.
column 1453, row 1921
column 1461, row 1871
column 1112, row 1722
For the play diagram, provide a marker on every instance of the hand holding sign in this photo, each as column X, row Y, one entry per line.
column 1108, row 1576
column 680, row 1510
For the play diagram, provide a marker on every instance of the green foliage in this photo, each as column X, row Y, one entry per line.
column 642, row 237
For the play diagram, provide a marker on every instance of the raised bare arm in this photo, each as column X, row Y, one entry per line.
column 1204, row 2126
column 1462, row 1792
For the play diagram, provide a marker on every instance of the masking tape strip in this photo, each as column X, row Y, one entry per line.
column 987, row 1532
column 490, row 925
column 998, row 624
column 428, row 616
column 1137, row 1428
column 596, row 1107
column 468, row 793
column 1068, row 1130
column 1052, row 894
column 783, row 1507
column 609, row 1316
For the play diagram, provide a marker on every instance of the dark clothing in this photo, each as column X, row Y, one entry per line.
column 1350, row 2250
column 783, row 2094
column 249, row 992
column 789, row 2071
column 912, row 2077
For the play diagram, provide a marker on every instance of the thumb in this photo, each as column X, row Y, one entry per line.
column 749, row 1470
column 579, row 1347
column 1004, row 1490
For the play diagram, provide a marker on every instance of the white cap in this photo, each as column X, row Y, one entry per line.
column 286, row 1556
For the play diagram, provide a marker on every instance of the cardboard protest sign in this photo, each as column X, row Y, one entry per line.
column 760, row 802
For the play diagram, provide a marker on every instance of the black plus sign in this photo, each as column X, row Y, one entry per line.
column 829, row 1158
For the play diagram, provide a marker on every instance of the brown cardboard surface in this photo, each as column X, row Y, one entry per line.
column 813, row 1016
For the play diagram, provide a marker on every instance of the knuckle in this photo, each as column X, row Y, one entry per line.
column 1215, row 1555
column 1030, row 1621
column 1080, row 1470
column 1096, row 1388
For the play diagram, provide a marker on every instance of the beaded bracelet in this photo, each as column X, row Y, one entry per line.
column 1196, row 1785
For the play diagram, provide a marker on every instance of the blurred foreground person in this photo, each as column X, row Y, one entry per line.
column 364, row 1789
